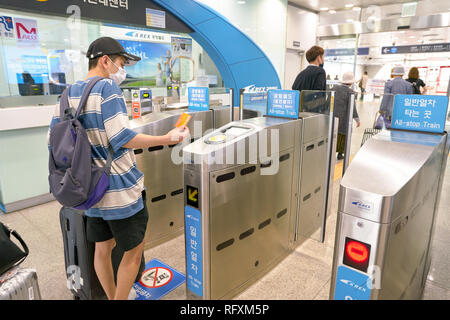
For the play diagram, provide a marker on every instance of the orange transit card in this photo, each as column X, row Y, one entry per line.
column 183, row 120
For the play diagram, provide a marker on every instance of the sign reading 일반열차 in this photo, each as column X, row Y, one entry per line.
column 198, row 99
column 283, row 103
column 194, row 261
column 420, row 113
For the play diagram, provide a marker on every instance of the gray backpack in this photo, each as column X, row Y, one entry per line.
column 74, row 179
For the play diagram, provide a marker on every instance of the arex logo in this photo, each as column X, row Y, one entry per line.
column 353, row 285
column 26, row 29
column 362, row 205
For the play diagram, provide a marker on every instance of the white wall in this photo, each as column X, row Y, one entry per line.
column 264, row 21
column 301, row 27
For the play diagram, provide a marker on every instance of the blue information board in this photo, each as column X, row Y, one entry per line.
column 351, row 285
column 193, row 232
column 420, row 113
column 198, row 98
column 283, row 103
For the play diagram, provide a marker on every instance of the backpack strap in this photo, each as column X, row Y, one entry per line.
column 64, row 106
column 86, row 92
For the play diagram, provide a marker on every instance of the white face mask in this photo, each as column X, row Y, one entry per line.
column 119, row 76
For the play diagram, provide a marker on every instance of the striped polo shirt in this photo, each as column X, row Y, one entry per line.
column 106, row 122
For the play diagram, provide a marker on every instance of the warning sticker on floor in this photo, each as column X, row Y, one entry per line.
column 157, row 280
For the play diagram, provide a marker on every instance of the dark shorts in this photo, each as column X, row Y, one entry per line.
column 128, row 233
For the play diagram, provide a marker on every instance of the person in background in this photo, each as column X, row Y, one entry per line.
column 342, row 96
column 314, row 76
column 159, row 76
column 419, row 86
column 363, row 84
column 392, row 87
column 167, row 60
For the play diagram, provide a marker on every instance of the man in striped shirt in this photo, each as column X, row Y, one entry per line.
column 121, row 217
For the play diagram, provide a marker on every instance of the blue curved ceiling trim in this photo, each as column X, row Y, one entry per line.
column 239, row 60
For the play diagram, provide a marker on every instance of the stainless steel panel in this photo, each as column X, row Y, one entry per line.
column 389, row 167
column 313, row 176
column 249, row 202
column 164, row 178
column 392, row 207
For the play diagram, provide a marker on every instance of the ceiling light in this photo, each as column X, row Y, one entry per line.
column 349, row 5
column 241, row 2
column 323, row 9
column 411, row 37
column 332, row 11
column 356, row 8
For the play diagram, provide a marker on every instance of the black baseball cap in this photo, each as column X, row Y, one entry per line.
column 109, row 46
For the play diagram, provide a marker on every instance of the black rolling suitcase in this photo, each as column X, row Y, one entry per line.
column 79, row 257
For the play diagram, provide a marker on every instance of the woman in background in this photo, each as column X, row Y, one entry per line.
column 419, row 86
column 341, row 102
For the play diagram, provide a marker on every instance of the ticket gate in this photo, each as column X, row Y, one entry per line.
column 163, row 177
column 241, row 201
column 389, row 196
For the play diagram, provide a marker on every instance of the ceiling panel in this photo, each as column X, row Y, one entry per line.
column 315, row 5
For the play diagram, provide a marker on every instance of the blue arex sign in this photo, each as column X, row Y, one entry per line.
column 283, row 103
column 198, row 98
column 351, row 285
column 193, row 236
column 420, row 113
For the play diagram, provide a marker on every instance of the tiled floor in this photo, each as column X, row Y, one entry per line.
column 304, row 274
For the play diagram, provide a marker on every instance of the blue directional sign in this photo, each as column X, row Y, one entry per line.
column 198, row 98
column 283, row 103
column 351, row 285
column 193, row 236
column 420, row 113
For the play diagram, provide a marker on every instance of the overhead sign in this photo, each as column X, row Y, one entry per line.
column 118, row 32
column 423, row 48
column 198, row 99
column 157, row 280
column 193, row 236
column 420, row 113
column 283, row 103
column 114, row 11
column 346, row 52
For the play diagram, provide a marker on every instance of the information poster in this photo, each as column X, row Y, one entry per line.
column 155, row 18
column 420, row 113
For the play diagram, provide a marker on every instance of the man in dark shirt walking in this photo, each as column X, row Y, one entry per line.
column 313, row 77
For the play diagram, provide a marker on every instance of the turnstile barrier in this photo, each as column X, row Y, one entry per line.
column 388, row 200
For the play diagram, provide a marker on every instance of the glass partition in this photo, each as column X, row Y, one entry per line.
column 255, row 101
column 34, row 70
column 319, row 142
